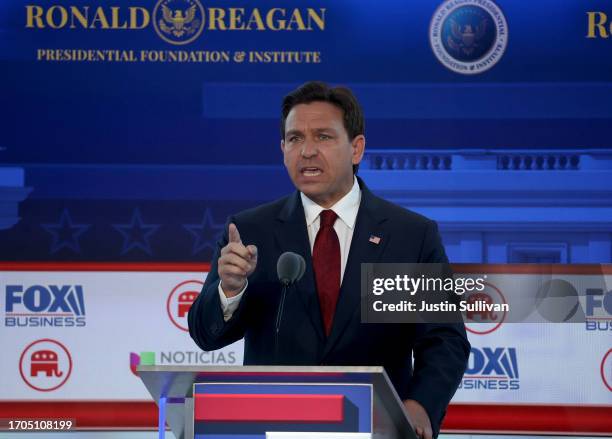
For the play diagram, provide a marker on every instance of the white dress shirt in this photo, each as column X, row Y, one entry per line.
column 346, row 208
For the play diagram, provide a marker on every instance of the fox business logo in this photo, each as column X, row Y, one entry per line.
column 598, row 316
column 176, row 22
column 491, row 369
column 44, row 305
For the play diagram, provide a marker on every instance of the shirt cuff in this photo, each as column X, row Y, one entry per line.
column 230, row 304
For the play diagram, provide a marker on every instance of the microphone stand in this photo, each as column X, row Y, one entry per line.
column 279, row 318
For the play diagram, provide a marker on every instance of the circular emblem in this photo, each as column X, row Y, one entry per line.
column 180, row 300
column 483, row 321
column 606, row 370
column 468, row 36
column 45, row 365
column 178, row 21
column 557, row 301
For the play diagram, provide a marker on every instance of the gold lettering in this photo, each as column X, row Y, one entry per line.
column 115, row 19
column 255, row 19
column 101, row 18
column 216, row 21
column 273, row 24
column 34, row 13
column 146, row 18
column 235, row 19
column 296, row 18
column 63, row 17
column 80, row 16
column 319, row 20
column 600, row 25
column 276, row 19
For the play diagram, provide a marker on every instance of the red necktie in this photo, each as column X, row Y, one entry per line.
column 326, row 265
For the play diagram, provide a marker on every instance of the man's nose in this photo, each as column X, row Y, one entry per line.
column 309, row 149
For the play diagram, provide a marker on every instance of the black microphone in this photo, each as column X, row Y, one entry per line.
column 290, row 269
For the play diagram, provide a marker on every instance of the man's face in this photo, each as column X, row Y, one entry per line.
column 317, row 152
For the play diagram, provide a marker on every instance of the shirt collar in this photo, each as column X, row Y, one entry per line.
column 346, row 208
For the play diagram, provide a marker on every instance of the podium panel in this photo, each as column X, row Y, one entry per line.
column 301, row 435
column 257, row 402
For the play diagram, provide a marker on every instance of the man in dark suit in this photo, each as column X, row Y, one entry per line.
column 336, row 223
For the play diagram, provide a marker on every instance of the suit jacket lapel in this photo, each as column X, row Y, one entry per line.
column 369, row 223
column 292, row 235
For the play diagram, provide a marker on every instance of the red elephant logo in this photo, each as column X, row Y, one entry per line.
column 185, row 300
column 45, row 365
column 45, row 361
column 485, row 315
column 180, row 300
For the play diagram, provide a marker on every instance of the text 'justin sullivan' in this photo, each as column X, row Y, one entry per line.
column 444, row 306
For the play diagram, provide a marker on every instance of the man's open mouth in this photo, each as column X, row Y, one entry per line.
column 311, row 171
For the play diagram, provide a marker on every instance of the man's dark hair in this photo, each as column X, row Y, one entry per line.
column 341, row 97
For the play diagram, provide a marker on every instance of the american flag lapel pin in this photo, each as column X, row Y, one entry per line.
column 374, row 239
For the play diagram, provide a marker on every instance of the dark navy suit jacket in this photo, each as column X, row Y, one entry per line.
column 440, row 350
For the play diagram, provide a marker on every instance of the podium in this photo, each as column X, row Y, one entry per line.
column 276, row 402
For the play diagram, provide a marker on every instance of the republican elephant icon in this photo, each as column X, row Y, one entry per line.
column 45, row 361
column 185, row 300
column 485, row 315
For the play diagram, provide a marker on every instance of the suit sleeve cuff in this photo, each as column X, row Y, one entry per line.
column 230, row 304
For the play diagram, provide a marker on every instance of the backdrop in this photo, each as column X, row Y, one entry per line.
column 130, row 130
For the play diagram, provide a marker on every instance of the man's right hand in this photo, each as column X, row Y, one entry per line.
column 236, row 263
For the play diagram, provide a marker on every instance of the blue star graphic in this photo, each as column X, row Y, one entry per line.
column 65, row 233
column 136, row 234
column 206, row 233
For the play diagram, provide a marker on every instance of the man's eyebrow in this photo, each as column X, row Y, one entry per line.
column 295, row 131
column 291, row 132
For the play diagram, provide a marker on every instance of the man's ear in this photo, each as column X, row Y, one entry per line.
column 358, row 144
column 282, row 144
